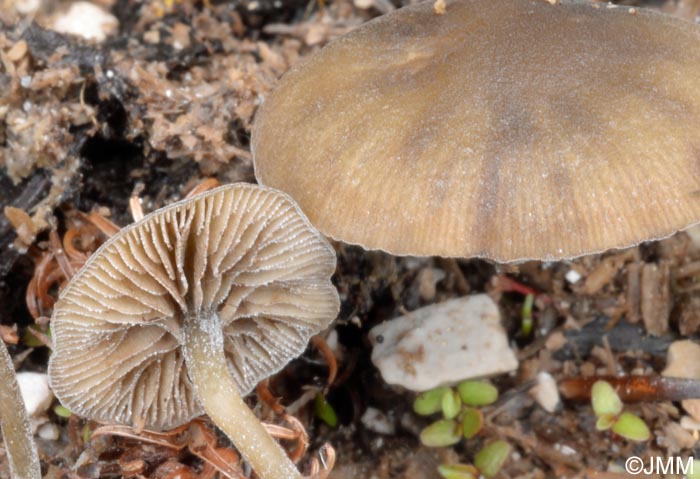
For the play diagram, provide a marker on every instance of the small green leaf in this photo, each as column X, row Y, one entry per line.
column 442, row 433
column 605, row 422
column 477, row 393
column 472, row 422
column 458, row 471
column 62, row 411
column 451, row 404
column 325, row 411
column 605, row 400
column 429, row 402
column 87, row 432
column 29, row 339
column 491, row 458
column 527, row 323
column 631, row 427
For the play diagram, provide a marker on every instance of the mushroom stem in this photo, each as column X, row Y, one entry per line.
column 218, row 393
column 16, row 433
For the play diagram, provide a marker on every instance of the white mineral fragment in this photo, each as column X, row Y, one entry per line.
column 442, row 344
column 86, row 20
column 35, row 392
column 546, row 392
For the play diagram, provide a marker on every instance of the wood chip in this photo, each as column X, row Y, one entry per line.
column 17, row 52
column 689, row 316
column 656, row 297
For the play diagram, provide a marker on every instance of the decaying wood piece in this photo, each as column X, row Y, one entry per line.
column 656, row 299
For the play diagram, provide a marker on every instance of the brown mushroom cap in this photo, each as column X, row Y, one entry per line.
column 507, row 129
column 243, row 252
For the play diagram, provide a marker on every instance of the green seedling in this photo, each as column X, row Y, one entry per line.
column 30, row 339
column 477, row 393
column 487, row 463
column 607, row 406
column 604, row 423
column 631, row 427
column 442, row 433
column 324, row 411
column 451, row 404
column 87, row 432
column 472, row 422
column 527, row 322
column 605, row 401
column 62, row 411
column 492, row 457
column 458, row 471
column 429, row 402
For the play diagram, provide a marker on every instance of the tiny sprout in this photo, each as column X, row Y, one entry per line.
column 605, row 422
column 631, row 427
column 324, row 411
column 442, row 433
column 87, row 432
column 451, row 404
column 472, row 422
column 429, row 402
column 527, row 323
column 458, row 471
column 605, row 400
column 30, row 339
column 477, row 393
column 492, row 457
column 607, row 405
column 62, row 411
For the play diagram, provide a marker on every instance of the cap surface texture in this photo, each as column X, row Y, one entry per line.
column 506, row 129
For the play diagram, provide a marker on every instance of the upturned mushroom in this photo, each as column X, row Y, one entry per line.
column 505, row 129
column 188, row 309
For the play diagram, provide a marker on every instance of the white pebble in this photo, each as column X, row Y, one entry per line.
column 442, row 344
column 35, row 392
column 546, row 392
column 88, row 21
column 573, row 276
column 376, row 421
column 49, row 432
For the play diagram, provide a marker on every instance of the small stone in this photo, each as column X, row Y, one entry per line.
column 689, row 424
column 683, row 361
column 363, row 4
column 27, row 7
column 376, row 421
column 546, row 392
column 675, row 438
column 573, row 276
column 17, row 52
column 49, row 432
column 35, row 392
column 86, row 20
column 443, row 344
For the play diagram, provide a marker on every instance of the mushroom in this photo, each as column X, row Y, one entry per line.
column 505, row 129
column 188, row 309
column 16, row 432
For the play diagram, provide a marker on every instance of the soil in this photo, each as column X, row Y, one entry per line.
column 86, row 125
